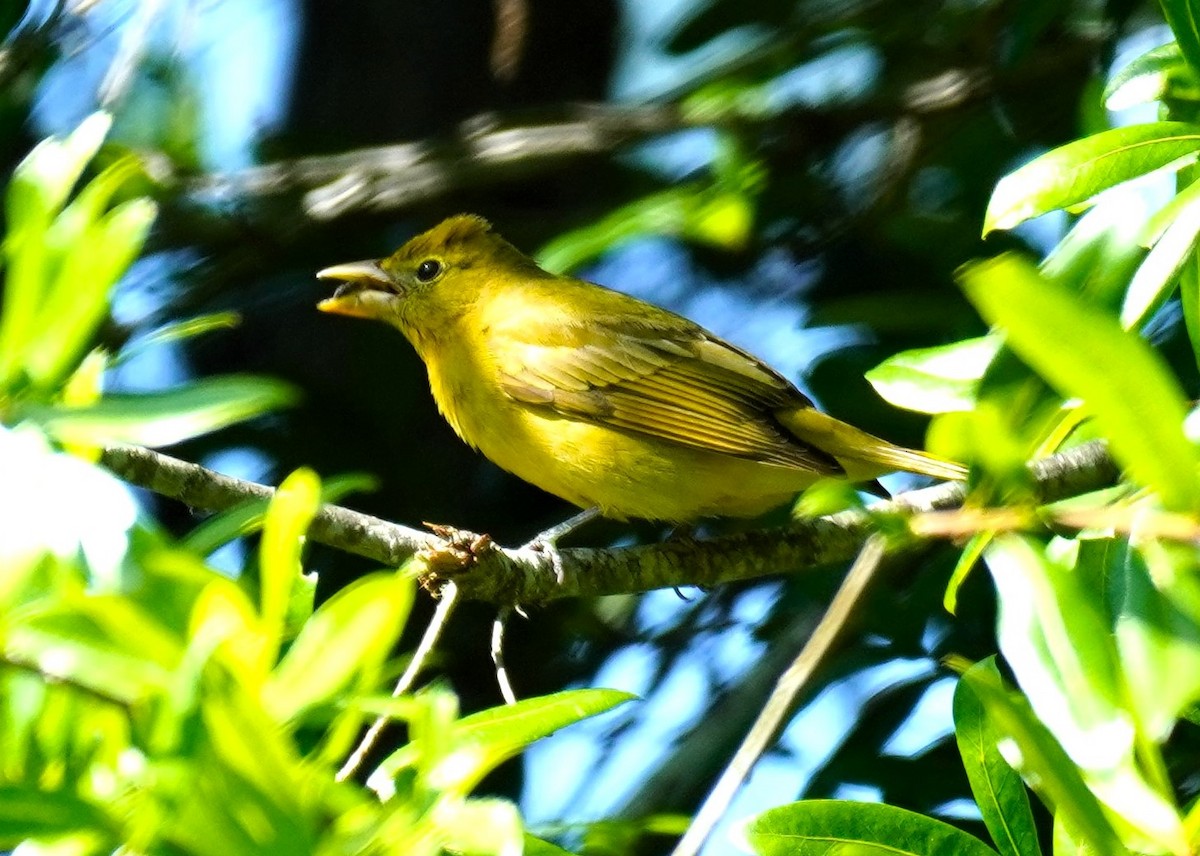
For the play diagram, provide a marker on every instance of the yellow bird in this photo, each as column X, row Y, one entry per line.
column 600, row 398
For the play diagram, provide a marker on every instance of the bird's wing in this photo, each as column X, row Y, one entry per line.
column 674, row 382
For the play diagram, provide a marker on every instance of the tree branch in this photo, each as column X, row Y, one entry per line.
column 484, row 571
column 492, row 147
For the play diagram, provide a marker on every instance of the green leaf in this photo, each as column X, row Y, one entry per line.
column 345, row 641
column 288, row 516
column 163, row 418
column 822, row 827
column 36, row 192
column 242, row 519
column 247, row 517
column 27, row 812
column 1083, row 353
column 481, row 742
column 1152, row 283
column 1042, row 762
column 78, row 300
column 479, row 826
column 178, row 332
column 967, row 559
column 1184, row 19
column 535, row 846
column 935, row 380
column 1055, row 633
column 999, row 791
column 1072, row 174
column 1056, row 639
column 1066, row 843
column 714, row 215
column 1144, row 79
column 1099, row 253
column 1157, row 630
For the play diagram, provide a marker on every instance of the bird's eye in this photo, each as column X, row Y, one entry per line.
column 428, row 269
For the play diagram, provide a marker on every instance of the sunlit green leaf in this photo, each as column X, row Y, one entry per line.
column 1065, row 842
column 1083, row 353
column 345, row 641
column 1151, row 285
column 1157, row 630
column 1143, row 79
column 246, row 517
column 1055, row 634
column 935, row 380
column 821, row 827
column 1057, row 641
column 1100, row 252
column 480, row 826
column 163, row 418
column 79, row 299
column 481, row 742
column 999, row 791
column 37, row 190
column 288, row 515
column 967, row 560
column 1072, row 174
column 711, row 215
column 1043, row 763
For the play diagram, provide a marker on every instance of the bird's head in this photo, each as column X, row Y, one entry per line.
column 431, row 280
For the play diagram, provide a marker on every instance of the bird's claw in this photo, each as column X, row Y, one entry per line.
column 548, row 547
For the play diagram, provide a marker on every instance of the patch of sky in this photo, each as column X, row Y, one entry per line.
column 929, row 722
column 148, row 285
column 845, row 72
column 860, row 161
column 854, row 792
column 677, row 156
column 958, row 809
column 237, row 56
column 607, row 770
column 243, row 59
column 660, row 610
column 645, row 69
column 834, row 712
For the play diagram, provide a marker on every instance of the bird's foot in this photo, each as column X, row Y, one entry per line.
column 546, row 542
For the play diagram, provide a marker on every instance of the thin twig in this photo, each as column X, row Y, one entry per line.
column 783, row 699
column 498, row 627
column 437, row 623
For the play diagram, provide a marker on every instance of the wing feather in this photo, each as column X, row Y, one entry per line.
column 676, row 383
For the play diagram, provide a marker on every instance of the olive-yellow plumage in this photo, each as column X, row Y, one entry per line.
column 600, row 398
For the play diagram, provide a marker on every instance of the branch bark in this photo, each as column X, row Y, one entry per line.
column 487, row 572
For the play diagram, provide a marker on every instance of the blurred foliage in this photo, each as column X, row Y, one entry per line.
column 833, row 166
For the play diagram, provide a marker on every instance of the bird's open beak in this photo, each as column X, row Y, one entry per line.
column 358, row 280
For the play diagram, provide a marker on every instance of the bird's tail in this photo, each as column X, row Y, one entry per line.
column 862, row 455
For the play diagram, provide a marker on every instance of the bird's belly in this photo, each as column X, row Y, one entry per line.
column 632, row 475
